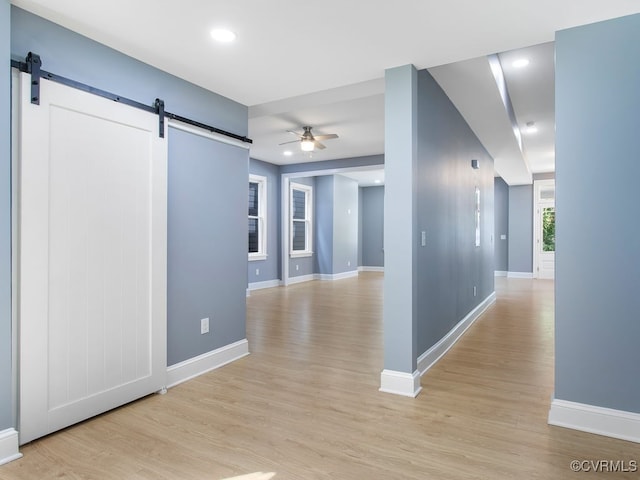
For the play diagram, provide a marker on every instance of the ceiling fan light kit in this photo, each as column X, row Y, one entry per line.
column 308, row 143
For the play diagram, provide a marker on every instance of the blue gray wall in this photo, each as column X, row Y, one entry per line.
column 501, row 220
column 521, row 229
column 328, row 165
column 6, row 354
column 450, row 265
column 324, row 224
column 400, row 283
column 269, row 268
column 598, row 233
column 207, row 189
column 74, row 56
column 430, row 187
column 345, row 225
column 372, row 226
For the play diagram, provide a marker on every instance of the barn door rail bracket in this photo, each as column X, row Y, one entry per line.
column 33, row 66
column 159, row 104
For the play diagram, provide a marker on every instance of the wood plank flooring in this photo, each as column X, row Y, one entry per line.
column 305, row 403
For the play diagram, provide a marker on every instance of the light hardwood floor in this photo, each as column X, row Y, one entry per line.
column 305, row 403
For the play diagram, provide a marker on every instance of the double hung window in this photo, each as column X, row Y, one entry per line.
column 257, row 217
column 301, row 220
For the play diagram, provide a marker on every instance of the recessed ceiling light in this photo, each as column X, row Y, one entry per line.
column 377, row 181
column 520, row 63
column 531, row 127
column 288, row 153
column 223, row 35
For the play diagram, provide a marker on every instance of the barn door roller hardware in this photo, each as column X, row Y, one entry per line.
column 32, row 65
column 159, row 104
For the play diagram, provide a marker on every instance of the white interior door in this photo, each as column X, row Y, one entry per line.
column 544, row 229
column 92, row 257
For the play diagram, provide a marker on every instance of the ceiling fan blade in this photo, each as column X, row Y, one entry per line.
column 292, row 141
column 294, row 133
column 325, row 137
column 318, row 145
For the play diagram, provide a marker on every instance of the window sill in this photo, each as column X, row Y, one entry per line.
column 300, row 254
column 254, row 257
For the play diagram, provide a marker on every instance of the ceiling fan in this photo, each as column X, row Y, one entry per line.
column 308, row 142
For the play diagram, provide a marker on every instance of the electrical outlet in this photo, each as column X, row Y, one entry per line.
column 348, row 263
column 297, row 267
column 204, row 325
column 475, row 291
column 257, row 272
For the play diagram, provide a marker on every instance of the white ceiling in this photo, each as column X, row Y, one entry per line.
column 366, row 178
column 473, row 88
column 322, row 64
column 355, row 113
column 532, row 92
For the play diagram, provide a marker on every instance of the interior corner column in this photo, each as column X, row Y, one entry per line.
column 400, row 375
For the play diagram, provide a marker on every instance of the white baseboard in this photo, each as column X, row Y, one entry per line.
column 336, row 276
column 183, row 371
column 520, row 274
column 266, row 284
column 371, row 269
column 598, row 420
column 9, row 446
column 435, row 353
column 302, row 279
column 500, row 273
column 322, row 276
column 400, row 383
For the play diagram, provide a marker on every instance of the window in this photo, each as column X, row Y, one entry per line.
column 301, row 217
column 548, row 229
column 257, row 217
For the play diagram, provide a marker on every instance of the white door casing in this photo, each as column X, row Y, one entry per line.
column 92, row 257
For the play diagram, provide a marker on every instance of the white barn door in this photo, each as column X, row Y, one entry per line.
column 92, row 257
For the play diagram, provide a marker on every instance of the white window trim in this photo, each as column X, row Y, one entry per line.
column 308, row 215
column 261, row 254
